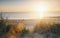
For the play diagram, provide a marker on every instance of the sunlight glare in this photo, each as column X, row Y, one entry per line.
column 40, row 10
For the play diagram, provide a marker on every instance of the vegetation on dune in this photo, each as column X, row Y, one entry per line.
column 24, row 32
column 42, row 28
column 19, row 30
column 49, row 30
column 12, row 31
column 55, row 29
column 3, row 25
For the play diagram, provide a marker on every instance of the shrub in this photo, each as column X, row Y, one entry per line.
column 24, row 32
column 55, row 29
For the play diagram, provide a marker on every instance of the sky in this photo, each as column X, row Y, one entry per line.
column 28, row 6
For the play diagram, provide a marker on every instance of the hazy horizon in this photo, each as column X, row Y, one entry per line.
column 14, row 15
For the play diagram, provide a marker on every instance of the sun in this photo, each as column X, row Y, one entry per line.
column 40, row 10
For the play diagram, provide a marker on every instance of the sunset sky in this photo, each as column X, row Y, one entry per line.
column 30, row 6
column 27, row 5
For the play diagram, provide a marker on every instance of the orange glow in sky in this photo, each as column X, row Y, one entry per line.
column 27, row 6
